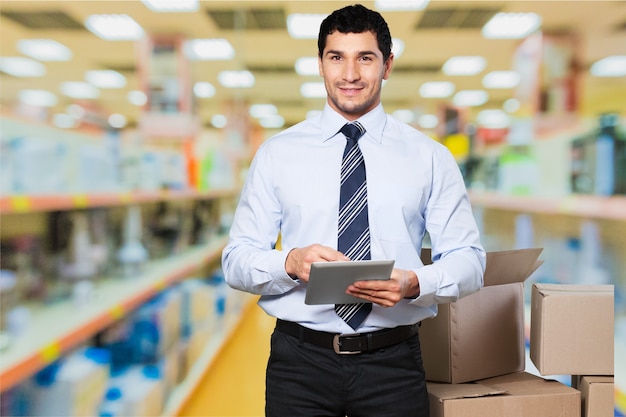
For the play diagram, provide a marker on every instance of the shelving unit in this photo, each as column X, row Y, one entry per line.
column 185, row 389
column 608, row 208
column 54, row 329
column 39, row 203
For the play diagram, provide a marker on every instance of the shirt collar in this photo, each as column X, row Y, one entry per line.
column 373, row 122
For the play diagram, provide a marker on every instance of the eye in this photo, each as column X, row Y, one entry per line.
column 335, row 57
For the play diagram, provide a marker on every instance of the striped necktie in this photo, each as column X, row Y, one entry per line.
column 354, row 232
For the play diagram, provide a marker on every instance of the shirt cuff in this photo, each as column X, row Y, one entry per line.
column 277, row 270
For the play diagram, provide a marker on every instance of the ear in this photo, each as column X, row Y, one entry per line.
column 388, row 66
column 319, row 65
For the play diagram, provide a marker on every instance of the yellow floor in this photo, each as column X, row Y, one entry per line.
column 235, row 383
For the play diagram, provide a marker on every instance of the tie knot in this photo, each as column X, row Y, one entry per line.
column 353, row 131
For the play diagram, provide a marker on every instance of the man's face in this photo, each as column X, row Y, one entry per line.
column 353, row 69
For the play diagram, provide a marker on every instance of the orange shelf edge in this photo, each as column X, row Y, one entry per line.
column 39, row 203
column 609, row 208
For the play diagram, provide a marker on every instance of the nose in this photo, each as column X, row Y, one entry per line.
column 351, row 71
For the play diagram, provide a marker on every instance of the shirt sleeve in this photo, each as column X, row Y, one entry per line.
column 458, row 256
column 250, row 260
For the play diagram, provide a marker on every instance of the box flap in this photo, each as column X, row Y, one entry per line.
column 524, row 383
column 504, row 267
column 456, row 391
column 572, row 289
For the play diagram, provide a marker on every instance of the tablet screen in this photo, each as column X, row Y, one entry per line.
column 328, row 281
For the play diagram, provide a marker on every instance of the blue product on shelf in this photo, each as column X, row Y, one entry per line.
column 141, row 390
column 219, row 282
column 15, row 402
column 605, row 156
column 113, row 404
column 155, row 327
column 599, row 160
column 73, row 385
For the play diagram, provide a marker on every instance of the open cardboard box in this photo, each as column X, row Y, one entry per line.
column 481, row 335
column 513, row 395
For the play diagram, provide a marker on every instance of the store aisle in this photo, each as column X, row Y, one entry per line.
column 235, row 384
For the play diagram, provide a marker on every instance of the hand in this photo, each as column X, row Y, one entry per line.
column 299, row 260
column 387, row 293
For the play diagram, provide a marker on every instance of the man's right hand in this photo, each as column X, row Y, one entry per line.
column 299, row 260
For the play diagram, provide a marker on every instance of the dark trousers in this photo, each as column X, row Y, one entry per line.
column 307, row 380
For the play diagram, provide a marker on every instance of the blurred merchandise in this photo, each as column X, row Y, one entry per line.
column 132, row 255
column 72, row 386
column 518, row 172
column 599, row 159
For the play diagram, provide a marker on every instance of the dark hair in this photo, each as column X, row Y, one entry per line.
column 356, row 19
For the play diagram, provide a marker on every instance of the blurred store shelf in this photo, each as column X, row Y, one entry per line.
column 54, row 329
column 598, row 207
column 39, row 203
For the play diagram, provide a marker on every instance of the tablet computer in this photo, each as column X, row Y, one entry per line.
column 328, row 281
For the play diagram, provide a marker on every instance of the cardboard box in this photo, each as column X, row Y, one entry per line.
column 571, row 329
column 514, row 395
column 597, row 395
column 481, row 335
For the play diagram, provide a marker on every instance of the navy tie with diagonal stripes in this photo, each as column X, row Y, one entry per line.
column 354, row 233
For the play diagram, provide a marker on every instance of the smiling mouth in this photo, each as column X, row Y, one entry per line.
column 352, row 91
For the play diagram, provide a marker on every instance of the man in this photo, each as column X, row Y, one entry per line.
column 409, row 185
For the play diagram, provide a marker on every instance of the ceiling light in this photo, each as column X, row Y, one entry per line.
column 117, row 120
column 64, row 121
column 468, row 98
column 313, row 113
column 464, row 65
column 44, row 49
column 611, row 66
column 114, row 27
column 203, row 89
column 313, row 90
column 209, row 49
column 21, row 67
column 171, row 5
column 79, row 89
column 275, row 121
column 511, row 25
column 105, row 78
column 493, row 119
column 404, row 115
column 219, row 121
column 401, row 5
column 428, row 121
column 436, row 89
column 236, row 79
column 397, row 47
column 304, row 26
column 501, row 79
column 76, row 111
column 39, row 98
column 307, row 65
column 137, row 98
column 262, row 110
column 511, row 105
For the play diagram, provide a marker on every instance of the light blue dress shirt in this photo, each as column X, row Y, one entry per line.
column 414, row 185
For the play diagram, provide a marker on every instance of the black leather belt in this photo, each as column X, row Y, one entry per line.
column 349, row 343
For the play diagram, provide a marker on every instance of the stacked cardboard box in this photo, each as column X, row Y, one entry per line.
column 571, row 333
column 474, row 350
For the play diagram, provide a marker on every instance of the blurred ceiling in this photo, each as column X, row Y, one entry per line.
column 258, row 32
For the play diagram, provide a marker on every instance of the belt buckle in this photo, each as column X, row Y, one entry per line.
column 337, row 345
